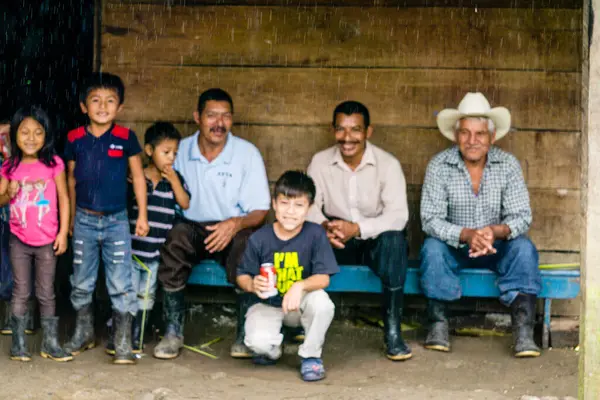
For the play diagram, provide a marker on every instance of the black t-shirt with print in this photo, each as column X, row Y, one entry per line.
column 306, row 254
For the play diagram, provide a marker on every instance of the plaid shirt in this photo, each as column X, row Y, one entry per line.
column 448, row 203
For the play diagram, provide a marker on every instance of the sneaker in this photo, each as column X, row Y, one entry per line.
column 312, row 369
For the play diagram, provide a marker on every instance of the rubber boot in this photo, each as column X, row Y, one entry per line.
column 50, row 347
column 397, row 350
column 83, row 338
column 18, row 350
column 110, row 343
column 30, row 327
column 6, row 328
column 122, row 329
column 136, row 331
column 438, row 337
column 173, row 314
column 238, row 348
column 523, row 320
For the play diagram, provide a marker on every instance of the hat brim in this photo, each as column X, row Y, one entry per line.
column 446, row 121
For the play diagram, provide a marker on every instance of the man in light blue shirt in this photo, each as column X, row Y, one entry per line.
column 229, row 199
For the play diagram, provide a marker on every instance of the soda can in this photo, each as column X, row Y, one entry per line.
column 268, row 271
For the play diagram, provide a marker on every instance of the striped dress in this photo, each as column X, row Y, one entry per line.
column 162, row 212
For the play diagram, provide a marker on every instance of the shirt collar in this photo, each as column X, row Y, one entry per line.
column 226, row 155
column 367, row 159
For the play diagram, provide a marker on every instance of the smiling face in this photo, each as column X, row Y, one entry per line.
column 474, row 139
column 102, row 106
column 215, row 121
column 351, row 135
column 291, row 212
column 30, row 138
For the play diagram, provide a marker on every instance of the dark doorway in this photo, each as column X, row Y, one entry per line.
column 46, row 47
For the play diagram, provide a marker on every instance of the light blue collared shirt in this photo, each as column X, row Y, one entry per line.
column 232, row 185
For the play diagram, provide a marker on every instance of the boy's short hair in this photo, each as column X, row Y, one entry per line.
column 352, row 107
column 295, row 184
column 160, row 131
column 102, row 80
column 214, row 94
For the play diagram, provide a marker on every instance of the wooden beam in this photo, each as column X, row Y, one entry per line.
column 352, row 37
column 533, row 4
column 301, row 96
column 589, row 356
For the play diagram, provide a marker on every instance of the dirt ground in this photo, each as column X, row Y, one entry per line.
column 477, row 369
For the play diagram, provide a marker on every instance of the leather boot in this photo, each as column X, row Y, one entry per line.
column 438, row 337
column 238, row 348
column 122, row 329
column 18, row 350
column 522, row 312
column 136, row 331
column 396, row 349
column 173, row 314
column 50, row 347
column 83, row 338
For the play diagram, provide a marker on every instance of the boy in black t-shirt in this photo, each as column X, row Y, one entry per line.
column 303, row 261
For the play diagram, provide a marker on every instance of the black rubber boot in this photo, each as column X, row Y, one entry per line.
column 396, row 349
column 523, row 320
column 110, row 343
column 122, row 329
column 173, row 314
column 18, row 350
column 238, row 348
column 6, row 327
column 136, row 331
column 50, row 347
column 83, row 338
column 438, row 337
column 31, row 312
column 29, row 326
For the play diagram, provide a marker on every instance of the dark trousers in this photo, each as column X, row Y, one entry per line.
column 185, row 248
column 23, row 257
column 386, row 255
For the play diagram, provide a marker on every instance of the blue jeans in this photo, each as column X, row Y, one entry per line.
column 140, row 280
column 110, row 235
column 516, row 263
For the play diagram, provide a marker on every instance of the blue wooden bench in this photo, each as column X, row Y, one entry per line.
column 556, row 284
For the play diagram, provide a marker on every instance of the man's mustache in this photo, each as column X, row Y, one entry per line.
column 217, row 129
column 343, row 142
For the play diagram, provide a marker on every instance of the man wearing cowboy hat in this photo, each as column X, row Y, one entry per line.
column 361, row 203
column 475, row 210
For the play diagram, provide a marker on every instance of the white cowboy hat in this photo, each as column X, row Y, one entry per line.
column 473, row 105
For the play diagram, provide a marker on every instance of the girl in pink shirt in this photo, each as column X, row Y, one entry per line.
column 35, row 180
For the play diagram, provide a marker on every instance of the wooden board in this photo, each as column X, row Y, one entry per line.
column 556, row 211
column 142, row 34
column 297, row 96
column 555, row 224
column 531, row 4
column 549, row 159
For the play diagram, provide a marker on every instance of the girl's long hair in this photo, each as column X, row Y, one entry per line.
column 47, row 152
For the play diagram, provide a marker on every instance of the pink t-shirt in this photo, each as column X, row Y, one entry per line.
column 34, row 210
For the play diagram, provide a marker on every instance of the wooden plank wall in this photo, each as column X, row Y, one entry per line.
column 288, row 63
